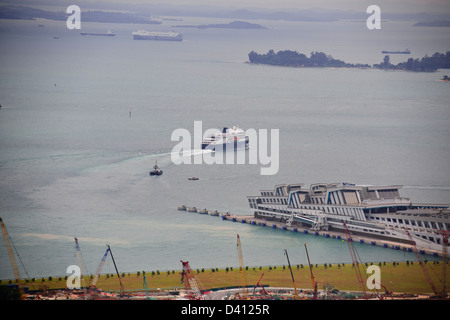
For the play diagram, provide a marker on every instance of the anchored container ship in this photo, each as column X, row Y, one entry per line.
column 374, row 211
column 154, row 35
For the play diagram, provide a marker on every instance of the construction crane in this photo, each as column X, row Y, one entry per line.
column 241, row 268
column 80, row 260
column 191, row 285
column 444, row 234
column 257, row 285
column 355, row 261
column 99, row 270
column 292, row 275
column 117, row 271
column 421, row 263
column 314, row 283
column 147, row 296
column 12, row 259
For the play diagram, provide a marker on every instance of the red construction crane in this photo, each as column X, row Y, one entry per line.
column 355, row 261
column 190, row 283
column 263, row 291
column 444, row 234
column 421, row 263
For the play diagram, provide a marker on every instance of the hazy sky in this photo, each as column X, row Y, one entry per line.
column 392, row 6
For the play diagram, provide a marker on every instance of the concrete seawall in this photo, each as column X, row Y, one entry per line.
column 323, row 233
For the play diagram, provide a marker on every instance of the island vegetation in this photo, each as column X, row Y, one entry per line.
column 435, row 23
column 28, row 13
column 295, row 59
column 231, row 25
column 290, row 58
column 425, row 64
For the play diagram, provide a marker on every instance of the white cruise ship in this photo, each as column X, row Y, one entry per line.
column 230, row 138
column 155, row 35
column 374, row 211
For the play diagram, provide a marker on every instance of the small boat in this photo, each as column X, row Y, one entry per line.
column 192, row 209
column 182, row 208
column 193, row 178
column 203, row 211
column 156, row 170
column 214, row 213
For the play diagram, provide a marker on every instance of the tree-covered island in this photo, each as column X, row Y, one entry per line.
column 290, row 58
column 425, row 64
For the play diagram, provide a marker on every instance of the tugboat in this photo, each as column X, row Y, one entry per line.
column 156, row 170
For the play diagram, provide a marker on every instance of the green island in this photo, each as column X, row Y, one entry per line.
column 231, row 25
column 402, row 279
column 291, row 58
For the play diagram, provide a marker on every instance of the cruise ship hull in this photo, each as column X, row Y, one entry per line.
column 229, row 145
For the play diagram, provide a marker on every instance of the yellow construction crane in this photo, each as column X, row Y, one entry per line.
column 11, row 255
column 314, row 283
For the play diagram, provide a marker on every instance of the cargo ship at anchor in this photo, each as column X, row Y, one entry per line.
column 406, row 51
column 378, row 212
column 155, row 35
column 107, row 34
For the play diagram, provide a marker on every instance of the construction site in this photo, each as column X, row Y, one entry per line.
column 419, row 279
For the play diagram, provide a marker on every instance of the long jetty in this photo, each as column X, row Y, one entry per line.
column 226, row 216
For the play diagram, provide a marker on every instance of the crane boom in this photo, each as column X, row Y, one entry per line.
column 314, row 283
column 99, row 269
column 10, row 251
column 241, row 267
column 355, row 260
column 292, row 275
column 421, row 263
column 257, row 283
column 80, row 260
column 445, row 234
column 190, row 283
column 117, row 271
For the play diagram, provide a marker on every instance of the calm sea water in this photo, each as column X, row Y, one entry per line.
column 83, row 120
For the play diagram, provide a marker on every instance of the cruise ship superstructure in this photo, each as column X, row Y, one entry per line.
column 375, row 211
column 230, row 138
